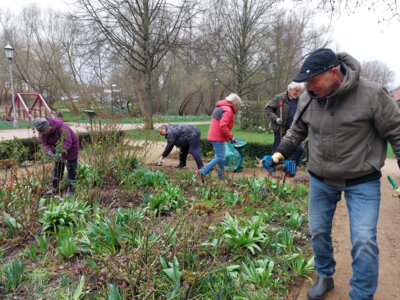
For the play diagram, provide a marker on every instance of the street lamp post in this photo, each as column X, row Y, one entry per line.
column 10, row 55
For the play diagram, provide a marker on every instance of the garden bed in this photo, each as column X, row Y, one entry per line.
column 142, row 232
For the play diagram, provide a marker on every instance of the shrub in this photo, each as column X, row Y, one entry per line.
column 252, row 115
column 251, row 150
column 17, row 149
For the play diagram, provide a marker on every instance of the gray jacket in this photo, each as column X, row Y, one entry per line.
column 348, row 131
column 273, row 111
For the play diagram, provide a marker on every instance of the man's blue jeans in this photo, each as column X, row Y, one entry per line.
column 363, row 202
column 219, row 159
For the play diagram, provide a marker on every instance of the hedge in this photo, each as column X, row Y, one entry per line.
column 251, row 150
column 25, row 149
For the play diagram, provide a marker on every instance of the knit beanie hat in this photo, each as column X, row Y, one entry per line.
column 41, row 124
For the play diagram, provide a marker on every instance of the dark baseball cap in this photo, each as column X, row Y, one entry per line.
column 316, row 63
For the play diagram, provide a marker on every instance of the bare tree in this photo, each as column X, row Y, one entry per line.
column 237, row 27
column 141, row 31
column 378, row 72
column 291, row 37
column 389, row 8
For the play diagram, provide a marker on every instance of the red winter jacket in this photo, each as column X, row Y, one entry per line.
column 222, row 121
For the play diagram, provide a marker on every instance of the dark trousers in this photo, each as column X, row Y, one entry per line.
column 58, row 172
column 296, row 156
column 194, row 149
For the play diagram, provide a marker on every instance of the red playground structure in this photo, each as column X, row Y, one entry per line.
column 29, row 106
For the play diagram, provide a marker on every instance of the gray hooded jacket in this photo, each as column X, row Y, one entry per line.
column 347, row 131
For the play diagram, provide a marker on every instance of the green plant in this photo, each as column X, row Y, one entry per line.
column 232, row 198
column 42, row 243
column 283, row 241
column 300, row 266
column 65, row 213
column 132, row 218
column 258, row 272
column 66, row 246
column 144, row 177
column 37, row 279
column 88, row 176
column 257, row 188
column 100, row 238
column 12, row 224
column 171, row 199
column 13, row 274
column 67, row 292
column 248, row 235
column 173, row 274
column 113, row 293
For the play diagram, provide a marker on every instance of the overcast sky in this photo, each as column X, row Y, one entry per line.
column 360, row 34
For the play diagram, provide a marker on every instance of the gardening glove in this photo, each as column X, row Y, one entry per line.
column 396, row 193
column 160, row 161
column 278, row 121
column 233, row 140
column 179, row 150
column 277, row 157
column 49, row 153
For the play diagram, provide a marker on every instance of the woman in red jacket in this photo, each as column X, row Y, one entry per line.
column 220, row 131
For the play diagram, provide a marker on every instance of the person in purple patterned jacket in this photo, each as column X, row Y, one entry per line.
column 62, row 144
column 183, row 136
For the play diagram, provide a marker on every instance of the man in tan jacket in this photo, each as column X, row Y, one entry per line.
column 348, row 121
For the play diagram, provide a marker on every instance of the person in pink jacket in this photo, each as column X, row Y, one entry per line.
column 220, row 132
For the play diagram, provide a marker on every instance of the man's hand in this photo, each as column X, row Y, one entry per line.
column 277, row 157
column 49, row 153
column 396, row 193
column 233, row 140
column 160, row 161
column 278, row 121
column 57, row 157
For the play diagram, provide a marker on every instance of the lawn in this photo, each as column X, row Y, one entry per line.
column 83, row 118
column 254, row 137
column 249, row 136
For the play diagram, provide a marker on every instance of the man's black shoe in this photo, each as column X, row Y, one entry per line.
column 320, row 288
column 180, row 166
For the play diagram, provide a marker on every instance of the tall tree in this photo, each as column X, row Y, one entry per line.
column 237, row 27
column 142, row 32
column 291, row 37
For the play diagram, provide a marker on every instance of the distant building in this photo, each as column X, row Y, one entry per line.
column 396, row 93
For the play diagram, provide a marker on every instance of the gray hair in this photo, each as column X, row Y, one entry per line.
column 235, row 99
column 294, row 85
column 160, row 127
column 41, row 124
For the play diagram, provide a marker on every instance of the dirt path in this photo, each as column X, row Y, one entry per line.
column 388, row 239
column 388, row 235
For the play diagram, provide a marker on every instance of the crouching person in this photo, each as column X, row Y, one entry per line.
column 62, row 144
column 183, row 136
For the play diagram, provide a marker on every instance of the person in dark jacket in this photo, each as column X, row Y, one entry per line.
column 280, row 111
column 348, row 121
column 62, row 144
column 220, row 132
column 185, row 137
